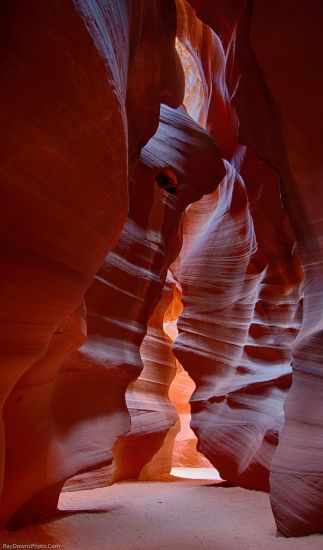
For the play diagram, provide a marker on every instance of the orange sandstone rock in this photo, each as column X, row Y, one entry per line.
column 74, row 97
column 278, row 62
column 125, row 317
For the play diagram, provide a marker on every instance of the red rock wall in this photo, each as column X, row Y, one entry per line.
column 276, row 54
column 95, row 208
column 64, row 199
column 297, row 475
column 241, row 313
column 124, row 301
column 152, row 415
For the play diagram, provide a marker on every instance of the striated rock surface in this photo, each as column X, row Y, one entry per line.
column 277, row 56
column 86, row 69
column 124, row 298
column 241, row 314
column 152, row 415
column 297, row 472
column 118, row 216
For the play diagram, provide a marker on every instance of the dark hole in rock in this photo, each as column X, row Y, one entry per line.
column 166, row 182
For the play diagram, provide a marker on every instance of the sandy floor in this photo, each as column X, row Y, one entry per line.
column 186, row 515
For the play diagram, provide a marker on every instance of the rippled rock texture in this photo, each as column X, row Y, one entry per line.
column 77, row 105
column 241, row 285
column 126, row 307
column 131, row 198
column 276, row 55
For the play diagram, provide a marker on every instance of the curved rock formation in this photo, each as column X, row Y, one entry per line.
column 64, row 197
column 297, row 473
column 152, row 415
column 184, row 449
column 124, row 299
column 102, row 192
column 241, row 313
column 277, row 58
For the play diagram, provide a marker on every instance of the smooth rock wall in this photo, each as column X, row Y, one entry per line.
column 77, row 103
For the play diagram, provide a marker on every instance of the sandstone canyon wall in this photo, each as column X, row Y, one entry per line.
column 125, row 313
column 279, row 65
column 131, row 198
column 64, row 199
column 241, row 289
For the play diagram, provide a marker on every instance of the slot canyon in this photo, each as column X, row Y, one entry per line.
column 161, row 283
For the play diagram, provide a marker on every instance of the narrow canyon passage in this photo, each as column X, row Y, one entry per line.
column 187, row 461
column 161, row 274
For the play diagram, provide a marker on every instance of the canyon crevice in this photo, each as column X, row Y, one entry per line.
column 162, row 250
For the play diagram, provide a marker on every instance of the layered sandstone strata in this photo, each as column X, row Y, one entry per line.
column 94, row 211
column 275, row 55
column 126, row 307
column 77, row 103
column 242, row 311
